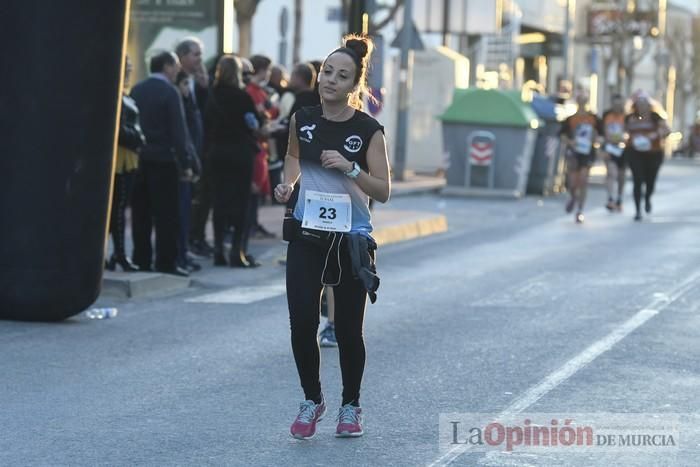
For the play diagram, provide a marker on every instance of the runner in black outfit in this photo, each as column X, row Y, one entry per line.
column 646, row 130
column 338, row 155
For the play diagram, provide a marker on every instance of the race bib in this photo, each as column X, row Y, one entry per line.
column 614, row 149
column 641, row 143
column 584, row 139
column 614, row 131
column 331, row 212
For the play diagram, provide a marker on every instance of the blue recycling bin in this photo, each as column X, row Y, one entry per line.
column 546, row 173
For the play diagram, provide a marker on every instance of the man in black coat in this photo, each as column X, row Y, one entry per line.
column 164, row 161
column 190, row 51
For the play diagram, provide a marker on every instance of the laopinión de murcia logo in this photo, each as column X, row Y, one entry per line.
column 621, row 432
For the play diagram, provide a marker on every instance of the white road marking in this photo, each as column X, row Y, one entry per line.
column 533, row 293
column 660, row 302
column 242, row 295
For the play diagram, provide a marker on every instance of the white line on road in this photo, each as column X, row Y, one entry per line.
column 242, row 295
column 660, row 302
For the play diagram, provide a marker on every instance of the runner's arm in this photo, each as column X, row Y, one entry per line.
column 564, row 134
column 292, row 168
column 376, row 184
column 663, row 129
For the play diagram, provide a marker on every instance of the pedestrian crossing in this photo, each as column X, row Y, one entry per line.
column 244, row 295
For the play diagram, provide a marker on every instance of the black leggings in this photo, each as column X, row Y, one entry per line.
column 645, row 167
column 305, row 263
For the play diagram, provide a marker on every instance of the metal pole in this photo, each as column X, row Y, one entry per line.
column 662, row 56
column 445, row 21
column 565, row 42
column 402, row 116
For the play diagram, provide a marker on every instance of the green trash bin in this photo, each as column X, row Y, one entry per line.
column 490, row 137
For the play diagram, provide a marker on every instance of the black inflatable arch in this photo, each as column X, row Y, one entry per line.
column 59, row 101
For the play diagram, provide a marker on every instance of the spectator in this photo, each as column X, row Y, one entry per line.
column 230, row 121
column 185, row 186
column 278, row 79
column 317, row 66
column 279, row 83
column 164, row 161
column 190, row 51
column 304, row 82
column 131, row 139
column 300, row 93
column 692, row 144
column 261, row 178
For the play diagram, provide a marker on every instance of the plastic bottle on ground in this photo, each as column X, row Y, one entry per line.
column 101, row 313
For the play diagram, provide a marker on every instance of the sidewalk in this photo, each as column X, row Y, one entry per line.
column 390, row 226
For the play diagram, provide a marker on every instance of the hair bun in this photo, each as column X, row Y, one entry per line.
column 361, row 45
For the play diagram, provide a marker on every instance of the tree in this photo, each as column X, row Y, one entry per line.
column 684, row 59
column 245, row 10
column 374, row 25
column 626, row 44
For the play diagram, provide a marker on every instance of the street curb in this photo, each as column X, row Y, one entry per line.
column 140, row 284
column 144, row 284
column 417, row 187
column 682, row 161
column 481, row 193
column 122, row 285
column 431, row 224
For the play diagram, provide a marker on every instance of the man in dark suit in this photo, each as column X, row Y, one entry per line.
column 189, row 51
column 164, row 161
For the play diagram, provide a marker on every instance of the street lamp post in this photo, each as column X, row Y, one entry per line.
column 402, row 117
column 567, row 39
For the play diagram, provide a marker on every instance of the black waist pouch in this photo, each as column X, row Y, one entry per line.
column 292, row 230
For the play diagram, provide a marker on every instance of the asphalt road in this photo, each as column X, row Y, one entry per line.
column 515, row 310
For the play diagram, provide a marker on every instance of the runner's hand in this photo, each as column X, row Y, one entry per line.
column 283, row 192
column 335, row 160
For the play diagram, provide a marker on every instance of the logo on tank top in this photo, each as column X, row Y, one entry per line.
column 308, row 129
column 353, row 143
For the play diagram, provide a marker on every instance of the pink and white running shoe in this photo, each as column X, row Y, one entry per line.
column 310, row 413
column 349, row 422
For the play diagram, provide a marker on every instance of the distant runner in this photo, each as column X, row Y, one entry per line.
column 613, row 132
column 579, row 133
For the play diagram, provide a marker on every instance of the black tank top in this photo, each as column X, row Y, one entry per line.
column 351, row 139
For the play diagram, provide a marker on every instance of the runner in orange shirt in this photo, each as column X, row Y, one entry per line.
column 579, row 133
column 613, row 132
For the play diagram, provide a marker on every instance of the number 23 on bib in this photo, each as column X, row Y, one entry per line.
column 331, row 212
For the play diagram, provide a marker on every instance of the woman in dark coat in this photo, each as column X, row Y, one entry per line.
column 230, row 126
column 131, row 139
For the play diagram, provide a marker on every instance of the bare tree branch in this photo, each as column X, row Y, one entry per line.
column 375, row 27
